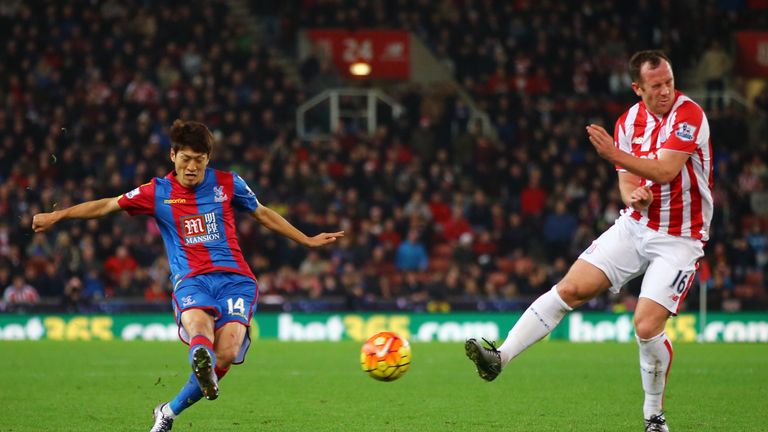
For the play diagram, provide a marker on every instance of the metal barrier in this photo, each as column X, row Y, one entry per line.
column 365, row 105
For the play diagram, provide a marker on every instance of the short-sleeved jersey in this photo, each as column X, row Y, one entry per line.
column 682, row 207
column 197, row 225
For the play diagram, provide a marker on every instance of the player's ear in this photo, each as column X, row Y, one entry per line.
column 173, row 156
column 636, row 88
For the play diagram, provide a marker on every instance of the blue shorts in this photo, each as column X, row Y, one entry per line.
column 229, row 297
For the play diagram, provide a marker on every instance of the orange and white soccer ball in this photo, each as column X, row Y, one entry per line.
column 385, row 356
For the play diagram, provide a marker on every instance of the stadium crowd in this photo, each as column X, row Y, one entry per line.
column 437, row 214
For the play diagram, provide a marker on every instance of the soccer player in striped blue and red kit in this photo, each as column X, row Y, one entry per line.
column 214, row 290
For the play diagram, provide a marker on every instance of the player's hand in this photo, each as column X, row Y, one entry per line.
column 602, row 141
column 43, row 221
column 323, row 239
column 641, row 198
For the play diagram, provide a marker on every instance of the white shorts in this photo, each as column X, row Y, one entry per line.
column 628, row 249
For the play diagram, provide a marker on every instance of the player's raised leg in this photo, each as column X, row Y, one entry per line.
column 655, row 360
column 199, row 325
column 582, row 282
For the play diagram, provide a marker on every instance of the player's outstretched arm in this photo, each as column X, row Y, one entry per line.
column 270, row 219
column 87, row 210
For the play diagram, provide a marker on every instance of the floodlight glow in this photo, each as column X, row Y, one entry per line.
column 360, row 69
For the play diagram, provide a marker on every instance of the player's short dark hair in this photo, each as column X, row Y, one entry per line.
column 638, row 59
column 192, row 135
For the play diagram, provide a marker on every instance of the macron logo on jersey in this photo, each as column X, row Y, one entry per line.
column 200, row 228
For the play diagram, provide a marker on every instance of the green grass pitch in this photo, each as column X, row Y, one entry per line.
column 555, row 386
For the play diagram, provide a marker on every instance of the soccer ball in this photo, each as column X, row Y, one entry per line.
column 385, row 356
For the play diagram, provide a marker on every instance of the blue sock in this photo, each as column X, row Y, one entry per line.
column 191, row 393
column 188, row 395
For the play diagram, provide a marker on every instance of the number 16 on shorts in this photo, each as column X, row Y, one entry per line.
column 682, row 281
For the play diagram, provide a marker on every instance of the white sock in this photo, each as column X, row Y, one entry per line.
column 655, row 360
column 167, row 411
column 537, row 321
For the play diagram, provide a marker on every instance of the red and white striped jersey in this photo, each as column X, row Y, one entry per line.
column 27, row 294
column 682, row 207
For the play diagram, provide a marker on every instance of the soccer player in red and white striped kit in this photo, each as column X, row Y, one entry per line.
column 663, row 156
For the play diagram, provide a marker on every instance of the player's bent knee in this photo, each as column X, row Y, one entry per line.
column 572, row 294
column 648, row 328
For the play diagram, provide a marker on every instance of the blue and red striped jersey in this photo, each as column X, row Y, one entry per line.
column 197, row 225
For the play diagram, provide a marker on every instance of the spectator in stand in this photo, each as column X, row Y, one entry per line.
column 155, row 293
column 456, row 226
column 310, row 66
column 67, row 253
column 46, row 280
column 715, row 67
column 559, row 229
column 314, row 265
column 390, row 237
column 120, row 265
column 479, row 212
column 6, row 276
column 325, row 78
column 141, row 92
column 515, row 234
column 758, row 241
column 484, row 249
column 413, row 293
column 73, row 300
column 439, row 208
column 19, row 292
column 758, row 199
column 382, row 267
column 411, row 254
column 93, row 288
column 39, row 247
column 533, row 197
column 720, row 290
column 416, row 207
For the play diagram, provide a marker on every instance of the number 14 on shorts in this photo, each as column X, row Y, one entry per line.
column 236, row 307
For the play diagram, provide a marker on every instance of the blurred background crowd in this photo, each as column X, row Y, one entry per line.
column 439, row 214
